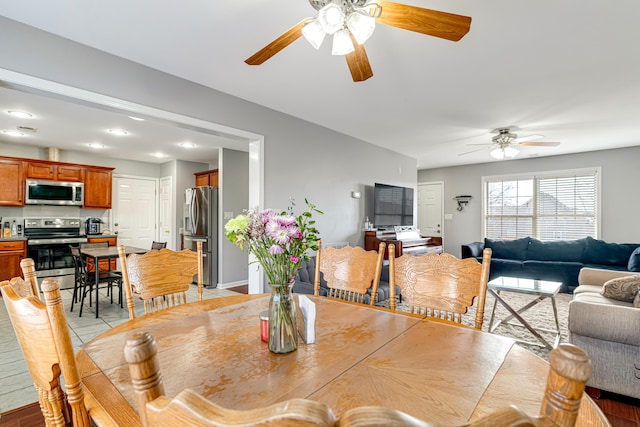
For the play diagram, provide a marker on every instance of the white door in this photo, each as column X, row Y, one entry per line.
column 430, row 209
column 166, row 222
column 134, row 210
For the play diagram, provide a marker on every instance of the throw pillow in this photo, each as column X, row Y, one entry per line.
column 636, row 300
column 634, row 261
column 622, row 288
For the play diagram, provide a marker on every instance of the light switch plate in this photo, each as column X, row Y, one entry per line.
column 228, row 215
column 448, row 216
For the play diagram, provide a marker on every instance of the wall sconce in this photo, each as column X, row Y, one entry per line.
column 462, row 201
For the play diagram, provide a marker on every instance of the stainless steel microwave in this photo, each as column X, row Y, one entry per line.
column 54, row 193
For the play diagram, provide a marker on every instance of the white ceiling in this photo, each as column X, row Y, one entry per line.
column 565, row 69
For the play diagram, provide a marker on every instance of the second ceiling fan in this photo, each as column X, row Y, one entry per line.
column 503, row 145
column 351, row 22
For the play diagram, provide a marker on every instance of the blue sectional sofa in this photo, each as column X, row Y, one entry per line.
column 558, row 260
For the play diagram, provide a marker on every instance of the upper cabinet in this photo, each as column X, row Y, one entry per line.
column 54, row 172
column 207, row 178
column 14, row 171
column 97, row 188
column 11, row 182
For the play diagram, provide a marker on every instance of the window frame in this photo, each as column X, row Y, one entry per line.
column 534, row 176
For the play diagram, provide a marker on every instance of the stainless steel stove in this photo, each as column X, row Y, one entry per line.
column 48, row 242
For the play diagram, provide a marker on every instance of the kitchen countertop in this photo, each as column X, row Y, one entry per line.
column 13, row 239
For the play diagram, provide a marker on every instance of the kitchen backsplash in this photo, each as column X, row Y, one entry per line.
column 44, row 211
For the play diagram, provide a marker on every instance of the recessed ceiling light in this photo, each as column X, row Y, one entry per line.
column 136, row 118
column 187, row 145
column 12, row 133
column 118, row 132
column 159, row 155
column 96, row 145
column 20, row 114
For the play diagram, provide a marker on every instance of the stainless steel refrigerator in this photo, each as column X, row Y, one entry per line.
column 201, row 225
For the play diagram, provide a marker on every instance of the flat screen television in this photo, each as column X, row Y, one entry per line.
column 393, row 205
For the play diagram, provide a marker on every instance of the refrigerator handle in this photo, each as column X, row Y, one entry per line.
column 196, row 216
column 192, row 213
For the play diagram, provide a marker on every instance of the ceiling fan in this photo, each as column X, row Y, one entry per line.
column 351, row 22
column 503, row 145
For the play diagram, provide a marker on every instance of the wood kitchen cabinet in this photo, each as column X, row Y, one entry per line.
column 207, row 178
column 97, row 187
column 11, row 182
column 11, row 253
column 103, row 264
column 54, row 172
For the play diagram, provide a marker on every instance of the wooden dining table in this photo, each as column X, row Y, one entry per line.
column 434, row 370
column 107, row 252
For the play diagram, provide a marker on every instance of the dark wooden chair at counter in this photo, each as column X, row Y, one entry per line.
column 85, row 281
column 45, row 340
column 569, row 371
column 158, row 245
column 160, row 278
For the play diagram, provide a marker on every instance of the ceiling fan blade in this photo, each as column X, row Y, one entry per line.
column 358, row 63
column 285, row 39
column 445, row 25
column 539, row 143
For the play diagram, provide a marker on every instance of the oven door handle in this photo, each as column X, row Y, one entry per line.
column 36, row 242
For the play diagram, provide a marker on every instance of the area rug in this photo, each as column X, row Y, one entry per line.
column 539, row 316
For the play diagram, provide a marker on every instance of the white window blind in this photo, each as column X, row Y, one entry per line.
column 547, row 206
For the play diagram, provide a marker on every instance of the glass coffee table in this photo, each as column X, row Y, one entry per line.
column 541, row 289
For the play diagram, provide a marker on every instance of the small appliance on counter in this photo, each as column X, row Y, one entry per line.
column 93, row 226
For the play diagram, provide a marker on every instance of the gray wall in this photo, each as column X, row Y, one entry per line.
column 620, row 203
column 300, row 159
column 234, row 180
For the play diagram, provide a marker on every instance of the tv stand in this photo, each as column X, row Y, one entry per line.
column 405, row 242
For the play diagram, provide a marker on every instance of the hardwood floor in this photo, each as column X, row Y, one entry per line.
column 244, row 289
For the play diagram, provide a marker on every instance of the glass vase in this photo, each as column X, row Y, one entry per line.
column 283, row 334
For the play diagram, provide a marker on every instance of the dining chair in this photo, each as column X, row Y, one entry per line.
column 89, row 261
column 158, row 245
column 43, row 334
column 440, row 285
column 85, row 281
column 570, row 368
column 160, row 278
column 349, row 272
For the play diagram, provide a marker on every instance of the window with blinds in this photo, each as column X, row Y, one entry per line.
column 547, row 206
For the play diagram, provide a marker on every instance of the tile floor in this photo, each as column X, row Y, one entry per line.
column 16, row 388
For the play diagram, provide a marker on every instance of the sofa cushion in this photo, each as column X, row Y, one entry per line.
column 634, row 260
column 504, row 267
column 556, row 271
column 592, row 315
column 508, row 249
column 557, row 250
column 601, row 252
column 622, row 288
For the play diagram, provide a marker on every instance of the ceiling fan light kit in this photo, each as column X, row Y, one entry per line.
column 352, row 22
column 507, row 152
column 342, row 44
column 314, row 33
